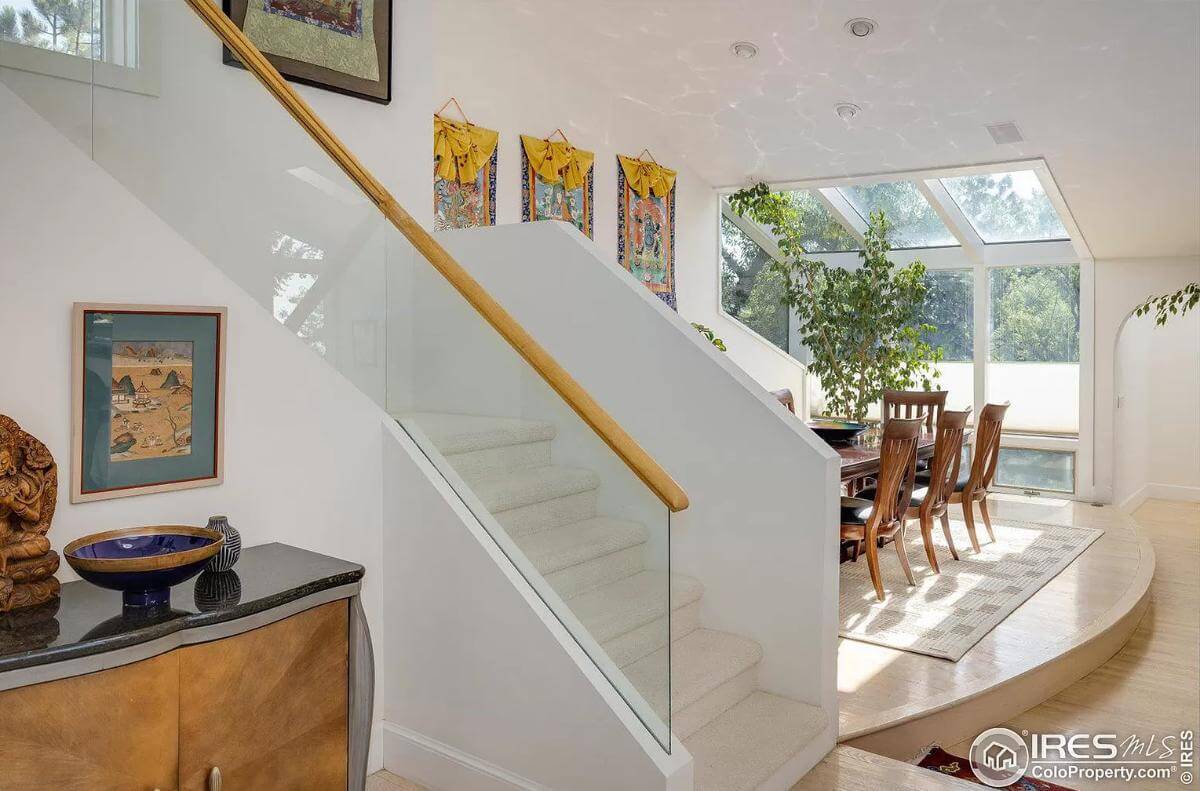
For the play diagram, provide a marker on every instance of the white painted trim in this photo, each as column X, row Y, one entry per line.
column 1134, row 501
column 415, row 755
column 1173, row 492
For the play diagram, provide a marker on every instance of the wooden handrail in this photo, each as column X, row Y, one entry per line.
column 630, row 452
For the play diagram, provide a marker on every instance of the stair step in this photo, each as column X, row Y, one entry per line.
column 629, row 617
column 584, row 555
column 711, row 671
column 514, row 489
column 548, row 515
column 745, row 745
column 467, row 433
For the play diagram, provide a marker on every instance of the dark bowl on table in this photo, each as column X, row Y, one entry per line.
column 143, row 562
column 837, row 432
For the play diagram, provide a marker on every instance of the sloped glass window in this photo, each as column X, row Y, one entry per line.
column 913, row 221
column 750, row 291
column 822, row 233
column 1006, row 207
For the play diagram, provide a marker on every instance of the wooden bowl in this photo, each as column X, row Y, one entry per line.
column 143, row 562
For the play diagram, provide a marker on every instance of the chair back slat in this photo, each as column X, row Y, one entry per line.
column 947, row 459
column 987, row 446
column 897, row 469
column 914, row 402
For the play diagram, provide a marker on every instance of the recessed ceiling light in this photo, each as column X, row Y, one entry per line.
column 846, row 110
column 743, row 49
column 861, row 27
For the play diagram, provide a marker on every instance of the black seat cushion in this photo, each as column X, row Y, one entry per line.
column 918, row 494
column 964, row 475
column 855, row 510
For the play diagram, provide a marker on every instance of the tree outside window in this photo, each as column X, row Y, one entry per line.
column 68, row 26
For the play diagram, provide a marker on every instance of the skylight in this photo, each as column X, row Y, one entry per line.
column 913, row 221
column 1006, row 207
column 822, row 233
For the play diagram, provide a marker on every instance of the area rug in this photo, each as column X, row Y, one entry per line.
column 938, row 760
column 945, row 614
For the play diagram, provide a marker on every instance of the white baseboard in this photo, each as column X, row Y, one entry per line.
column 435, row 765
column 1160, row 491
column 1170, row 491
column 1133, row 501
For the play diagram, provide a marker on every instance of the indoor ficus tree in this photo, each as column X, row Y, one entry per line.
column 1168, row 305
column 862, row 326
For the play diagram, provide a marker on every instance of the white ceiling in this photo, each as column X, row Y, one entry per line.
column 1106, row 91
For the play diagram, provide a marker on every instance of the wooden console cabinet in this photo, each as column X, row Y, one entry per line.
column 267, row 708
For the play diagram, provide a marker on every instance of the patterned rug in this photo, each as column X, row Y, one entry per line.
column 947, row 613
column 938, row 760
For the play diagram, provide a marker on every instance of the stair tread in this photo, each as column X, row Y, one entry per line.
column 622, row 606
column 746, row 744
column 515, row 488
column 465, row 433
column 700, row 662
column 579, row 542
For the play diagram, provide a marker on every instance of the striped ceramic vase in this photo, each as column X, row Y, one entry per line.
column 229, row 554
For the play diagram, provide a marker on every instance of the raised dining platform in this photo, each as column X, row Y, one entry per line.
column 895, row 702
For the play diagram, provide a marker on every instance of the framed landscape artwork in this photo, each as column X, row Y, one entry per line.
column 339, row 45
column 148, row 399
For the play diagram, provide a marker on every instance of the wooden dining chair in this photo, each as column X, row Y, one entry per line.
column 932, row 492
column 973, row 486
column 886, row 515
column 909, row 403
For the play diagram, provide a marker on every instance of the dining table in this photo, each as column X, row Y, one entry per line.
column 860, row 457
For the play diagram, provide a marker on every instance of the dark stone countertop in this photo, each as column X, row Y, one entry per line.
column 89, row 620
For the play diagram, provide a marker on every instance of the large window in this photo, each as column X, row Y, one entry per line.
column 822, row 233
column 1033, row 350
column 1005, row 293
column 950, row 306
column 1006, row 207
column 750, row 291
column 914, row 222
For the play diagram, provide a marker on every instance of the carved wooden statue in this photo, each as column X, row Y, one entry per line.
column 28, row 494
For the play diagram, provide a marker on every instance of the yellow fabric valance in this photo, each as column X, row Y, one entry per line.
column 556, row 161
column 460, row 149
column 645, row 176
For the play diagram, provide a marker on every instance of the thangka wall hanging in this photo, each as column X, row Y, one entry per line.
column 556, row 182
column 464, row 174
column 343, row 46
column 646, row 224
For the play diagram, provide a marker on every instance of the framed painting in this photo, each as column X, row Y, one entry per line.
column 148, row 399
column 339, row 45
column 560, row 195
column 646, row 228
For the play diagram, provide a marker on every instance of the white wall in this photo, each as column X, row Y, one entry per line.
column 509, row 82
column 759, row 533
column 295, row 471
column 1158, row 414
column 1121, row 285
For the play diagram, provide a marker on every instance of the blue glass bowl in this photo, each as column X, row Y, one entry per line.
column 837, row 431
column 143, row 562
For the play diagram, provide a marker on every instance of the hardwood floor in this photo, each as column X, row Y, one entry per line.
column 896, row 702
column 383, row 780
column 1150, row 685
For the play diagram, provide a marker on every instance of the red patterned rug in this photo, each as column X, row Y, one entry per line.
column 938, row 760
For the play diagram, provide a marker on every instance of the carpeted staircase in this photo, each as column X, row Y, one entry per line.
column 738, row 735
